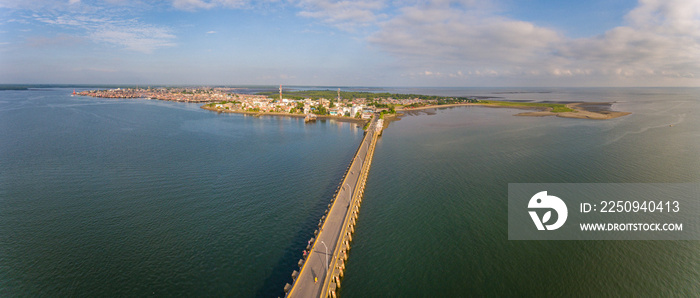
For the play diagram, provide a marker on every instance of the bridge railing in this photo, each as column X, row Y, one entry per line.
column 367, row 140
column 339, row 256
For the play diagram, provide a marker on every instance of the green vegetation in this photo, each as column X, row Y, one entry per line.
column 415, row 105
column 391, row 107
column 212, row 104
column 366, row 125
column 320, row 110
column 317, row 94
column 390, row 111
column 380, row 105
column 556, row 107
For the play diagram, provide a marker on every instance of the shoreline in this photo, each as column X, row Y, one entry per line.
column 577, row 110
column 580, row 111
column 258, row 114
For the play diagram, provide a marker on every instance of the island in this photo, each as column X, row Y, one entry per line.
column 347, row 105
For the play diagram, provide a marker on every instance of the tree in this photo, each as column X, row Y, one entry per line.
column 320, row 110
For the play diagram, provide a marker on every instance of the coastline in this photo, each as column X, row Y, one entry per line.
column 577, row 110
column 258, row 114
column 580, row 111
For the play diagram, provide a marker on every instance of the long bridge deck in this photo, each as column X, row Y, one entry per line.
column 325, row 263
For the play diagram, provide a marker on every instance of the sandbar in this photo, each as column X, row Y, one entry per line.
column 582, row 110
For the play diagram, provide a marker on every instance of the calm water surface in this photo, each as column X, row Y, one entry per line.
column 434, row 218
column 106, row 197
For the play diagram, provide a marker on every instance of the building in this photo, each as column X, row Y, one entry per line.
column 355, row 109
column 367, row 113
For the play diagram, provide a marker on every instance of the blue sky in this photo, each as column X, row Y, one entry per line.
column 352, row 43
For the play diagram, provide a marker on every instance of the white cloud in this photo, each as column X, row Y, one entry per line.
column 439, row 40
column 660, row 40
column 203, row 4
column 444, row 35
column 37, row 4
column 345, row 15
column 102, row 27
column 136, row 36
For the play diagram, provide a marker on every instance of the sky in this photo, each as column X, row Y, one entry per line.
column 467, row 43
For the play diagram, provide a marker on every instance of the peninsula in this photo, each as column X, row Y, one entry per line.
column 347, row 105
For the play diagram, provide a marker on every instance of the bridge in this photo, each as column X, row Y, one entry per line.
column 323, row 266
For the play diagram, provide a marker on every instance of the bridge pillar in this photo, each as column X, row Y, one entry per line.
column 331, row 290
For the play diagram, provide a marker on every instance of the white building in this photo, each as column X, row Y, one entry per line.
column 354, row 110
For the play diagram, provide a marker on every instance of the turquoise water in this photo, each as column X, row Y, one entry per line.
column 104, row 197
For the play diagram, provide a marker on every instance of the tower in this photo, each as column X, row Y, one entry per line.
column 280, row 92
column 338, row 94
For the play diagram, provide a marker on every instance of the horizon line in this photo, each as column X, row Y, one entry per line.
column 304, row 85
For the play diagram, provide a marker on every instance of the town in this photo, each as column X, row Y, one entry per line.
column 193, row 95
column 359, row 105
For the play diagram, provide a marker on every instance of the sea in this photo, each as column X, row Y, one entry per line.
column 136, row 197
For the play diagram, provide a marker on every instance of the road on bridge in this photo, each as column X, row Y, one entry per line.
column 312, row 277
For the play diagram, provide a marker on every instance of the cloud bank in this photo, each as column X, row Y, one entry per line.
column 101, row 27
column 660, row 40
column 428, row 42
